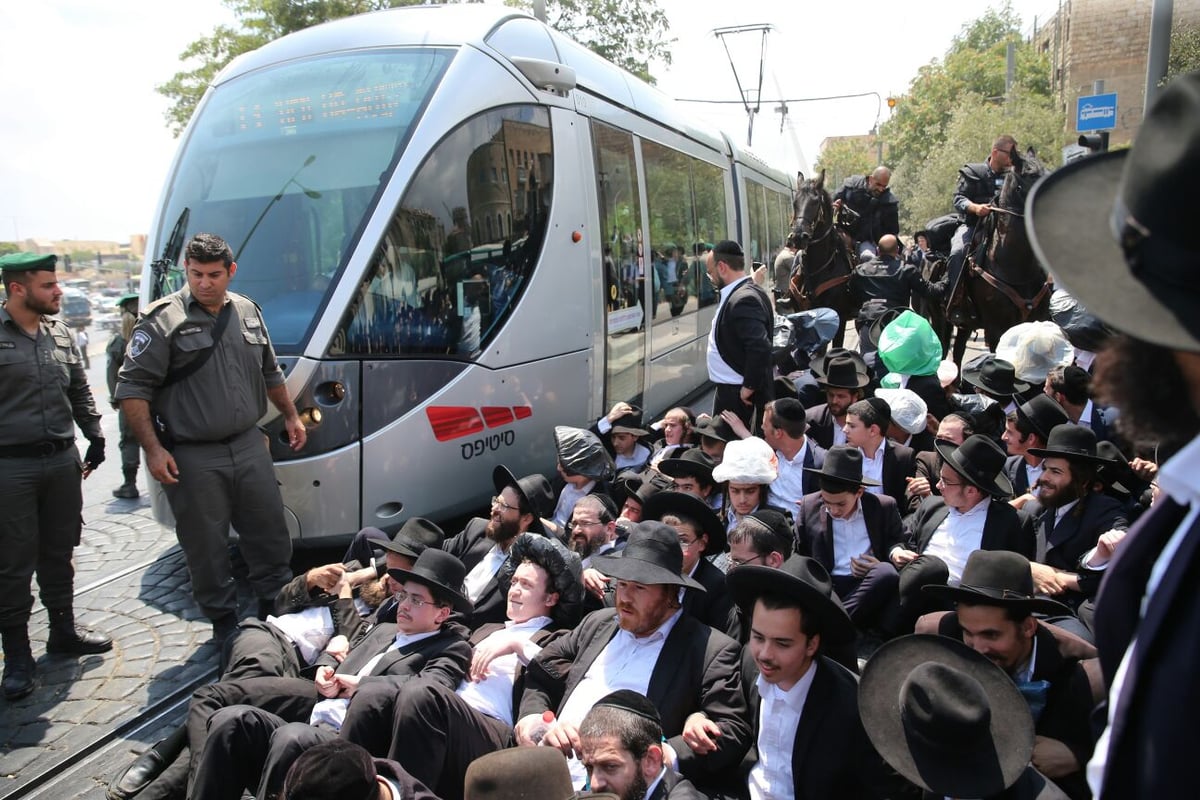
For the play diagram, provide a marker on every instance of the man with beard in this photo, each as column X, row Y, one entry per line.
column 649, row 646
column 1028, row 427
column 1089, row 224
column 593, row 528
column 483, row 545
column 739, row 344
column 621, row 739
column 45, row 395
column 844, row 378
column 1075, row 514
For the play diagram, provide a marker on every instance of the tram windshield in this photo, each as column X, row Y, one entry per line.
column 287, row 163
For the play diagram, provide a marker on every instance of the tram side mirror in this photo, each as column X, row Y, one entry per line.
column 547, row 75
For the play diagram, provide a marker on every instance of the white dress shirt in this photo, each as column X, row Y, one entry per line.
column 778, row 717
column 479, row 576
column 850, row 539
column 493, row 695
column 873, row 467
column 1033, row 473
column 567, row 500
column 1085, row 416
column 959, row 535
column 788, row 488
column 719, row 370
column 839, row 434
column 626, row 662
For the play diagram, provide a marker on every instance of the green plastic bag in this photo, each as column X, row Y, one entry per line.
column 909, row 346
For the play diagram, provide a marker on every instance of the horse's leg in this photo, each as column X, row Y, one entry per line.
column 839, row 338
column 961, row 335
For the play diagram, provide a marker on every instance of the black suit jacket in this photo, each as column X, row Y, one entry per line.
column 1061, row 545
column 443, row 657
column 743, row 332
column 711, row 606
column 1014, row 468
column 1004, row 529
column 814, row 527
column 820, row 425
column 1153, row 735
column 697, row 670
column 897, row 465
column 831, row 755
column 674, row 786
column 469, row 547
column 926, row 464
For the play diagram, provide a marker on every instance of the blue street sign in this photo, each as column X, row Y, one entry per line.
column 1096, row 113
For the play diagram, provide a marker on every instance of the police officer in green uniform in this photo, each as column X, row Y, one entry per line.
column 128, row 445
column 218, row 470
column 45, row 393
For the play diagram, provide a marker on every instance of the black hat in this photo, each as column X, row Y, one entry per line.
column 581, row 452
column 562, row 565
column 999, row 578
column 442, row 573
column 773, row 519
column 875, row 330
column 945, row 717
column 630, row 423
column 414, row 537
column 802, row 579
column 1072, row 442
column 1116, row 473
column 980, row 460
column 28, row 262
column 534, row 490
column 642, row 486
column 693, row 463
column 336, row 769
column 652, row 555
column 843, row 463
column 727, row 247
column 842, row 371
column 693, row 508
column 715, row 428
column 519, row 773
column 1117, row 233
column 634, row 703
column 1041, row 413
column 995, row 376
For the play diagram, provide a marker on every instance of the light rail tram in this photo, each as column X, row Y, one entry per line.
column 463, row 229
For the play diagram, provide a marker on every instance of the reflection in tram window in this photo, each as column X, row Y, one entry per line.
column 463, row 243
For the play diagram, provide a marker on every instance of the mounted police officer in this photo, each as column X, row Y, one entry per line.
column 886, row 282
column 877, row 208
column 201, row 357
column 45, row 395
column 978, row 185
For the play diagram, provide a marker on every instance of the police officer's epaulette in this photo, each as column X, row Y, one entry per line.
column 155, row 305
column 247, row 299
column 54, row 322
column 976, row 172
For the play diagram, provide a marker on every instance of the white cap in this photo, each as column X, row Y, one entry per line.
column 908, row 409
column 1034, row 348
column 747, row 461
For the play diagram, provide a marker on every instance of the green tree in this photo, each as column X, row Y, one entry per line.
column 955, row 107
column 843, row 157
column 1185, row 50
column 628, row 32
column 9, row 247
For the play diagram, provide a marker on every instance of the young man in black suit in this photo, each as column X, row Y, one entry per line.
column 843, row 376
column 887, row 464
column 739, row 344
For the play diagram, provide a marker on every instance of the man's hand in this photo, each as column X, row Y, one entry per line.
column 162, row 466
column 980, row 209
column 338, row 647
column 901, row 556
column 1046, row 580
column 1106, row 547
column 94, row 456
column 565, row 737
column 918, row 486
column 619, row 410
column 489, row 650
column 1052, row 758
column 1146, row 470
column 1019, row 502
column 324, row 578
column 747, row 395
column 595, row 582
column 735, row 423
column 701, row 733
column 837, row 205
column 325, row 683
column 859, row 567
column 347, row 684
column 297, row 435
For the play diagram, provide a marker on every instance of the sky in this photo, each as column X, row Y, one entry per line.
column 85, row 148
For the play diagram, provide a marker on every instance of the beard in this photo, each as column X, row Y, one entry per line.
column 373, row 593
column 1145, row 383
column 501, row 531
column 584, row 547
column 637, row 789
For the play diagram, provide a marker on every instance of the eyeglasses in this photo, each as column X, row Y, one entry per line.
column 576, row 524
column 733, row 562
column 945, row 482
column 496, row 501
column 688, row 545
column 417, row 603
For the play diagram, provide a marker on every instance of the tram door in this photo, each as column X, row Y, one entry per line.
column 624, row 258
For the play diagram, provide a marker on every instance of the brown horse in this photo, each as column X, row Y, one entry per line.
column 821, row 275
column 1004, row 284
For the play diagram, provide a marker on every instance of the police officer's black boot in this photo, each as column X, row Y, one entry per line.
column 19, row 666
column 67, row 638
column 128, row 490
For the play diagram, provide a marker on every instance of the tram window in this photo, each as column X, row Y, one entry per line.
column 670, row 199
column 756, row 206
column 433, row 286
column 712, row 224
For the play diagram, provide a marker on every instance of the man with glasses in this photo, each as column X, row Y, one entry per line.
column 483, row 545
column 977, row 186
column 246, row 733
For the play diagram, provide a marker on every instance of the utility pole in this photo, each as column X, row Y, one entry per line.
column 1161, row 13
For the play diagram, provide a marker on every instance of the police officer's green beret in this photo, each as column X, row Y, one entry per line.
column 125, row 298
column 27, row 262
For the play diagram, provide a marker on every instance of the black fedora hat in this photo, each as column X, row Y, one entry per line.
column 692, row 507
column 995, row 376
column 715, row 428
column 875, row 329
column 945, row 717
column 692, row 463
column 652, row 555
column 1116, row 474
column 534, row 490
column 1042, row 413
column 844, row 464
column 630, row 422
column 1072, row 442
column 801, row 578
column 414, row 537
column 999, row 578
column 1117, row 232
column 843, row 372
column 980, row 460
column 820, row 366
column 442, row 573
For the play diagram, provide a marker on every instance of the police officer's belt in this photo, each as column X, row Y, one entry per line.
column 35, row 449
